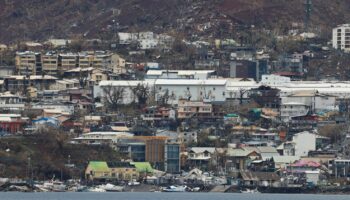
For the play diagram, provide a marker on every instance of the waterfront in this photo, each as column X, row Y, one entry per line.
column 163, row 196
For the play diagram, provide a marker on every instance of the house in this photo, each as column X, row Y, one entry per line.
column 58, row 43
column 12, row 123
column 200, row 157
column 189, row 109
column 3, row 47
column 46, row 121
column 11, row 102
column 65, row 84
column 240, row 158
column 118, row 64
column 301, row 166
column 259, row 179
column 281, row 162
column 19, row 83
column 121, row 171
column 158, row 114
column 293, row 109
column 307, row 141
column 99, row 138
column 314, row 100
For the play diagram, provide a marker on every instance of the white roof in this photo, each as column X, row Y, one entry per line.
column 285, row 159
column 79, row 69
column 190, row 82
column 32, row 77
column 294, row 104
column 125, row 83
column 179, row 72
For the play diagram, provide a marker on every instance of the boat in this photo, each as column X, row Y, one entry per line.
column 51, row 186
column 173, row 188
column 95, row 189
column 111, row 188
column 133, row 183
column 249, row 191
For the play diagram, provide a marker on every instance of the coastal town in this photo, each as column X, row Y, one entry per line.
column 151, row 111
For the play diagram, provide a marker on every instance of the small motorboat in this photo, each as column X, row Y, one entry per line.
column 111, row 188
column 173, row 188
column 249, row 191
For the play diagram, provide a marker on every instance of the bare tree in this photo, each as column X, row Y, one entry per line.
column 164, row 98
column 141, row 92
column 113, row 96
column 242, row 92
column 84, row 77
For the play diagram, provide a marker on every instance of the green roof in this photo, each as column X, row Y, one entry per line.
column 98, row 166
column 143, row 167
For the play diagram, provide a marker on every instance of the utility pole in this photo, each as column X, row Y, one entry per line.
column 308, row 9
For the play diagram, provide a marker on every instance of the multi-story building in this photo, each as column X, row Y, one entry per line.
column 28, row 63
column 123, row 171
column 118, row 64
column 50, row 64
column 189, row 109
column 341, row 37
column 172, row 157
column 68, row 61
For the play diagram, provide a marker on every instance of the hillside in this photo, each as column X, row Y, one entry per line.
column 42, row 19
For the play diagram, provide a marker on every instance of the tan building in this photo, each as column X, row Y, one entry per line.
column 188, row 109
column 27, row 62
column 50, row 64
column 3, row 47
column 98, row 59
column 68, row 61
column 98, row 75
column 111, row 170
column 118, row 64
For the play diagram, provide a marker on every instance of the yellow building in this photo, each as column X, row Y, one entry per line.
column 50, row 64
column 98, row 75
column 68, row 61
column 27, row 62
column 111, row 170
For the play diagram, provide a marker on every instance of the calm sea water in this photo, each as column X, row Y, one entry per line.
column 165, row 196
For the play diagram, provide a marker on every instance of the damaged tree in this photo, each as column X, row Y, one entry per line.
column 141, row 93
column 113, row 96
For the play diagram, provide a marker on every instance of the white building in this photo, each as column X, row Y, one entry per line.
column 315, row 101
column 211, row 90
column 293, row 109
column 305, row 142
column 341, row 37
column 179, row 74
column 128, row 95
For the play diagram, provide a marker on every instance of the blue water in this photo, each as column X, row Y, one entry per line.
column 165, row 196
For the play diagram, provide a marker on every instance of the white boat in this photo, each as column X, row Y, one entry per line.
column 249, row 191
column 175, row 189
column 95, row 189
column 134, row 182
column 52, row 186
column 111, row 188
